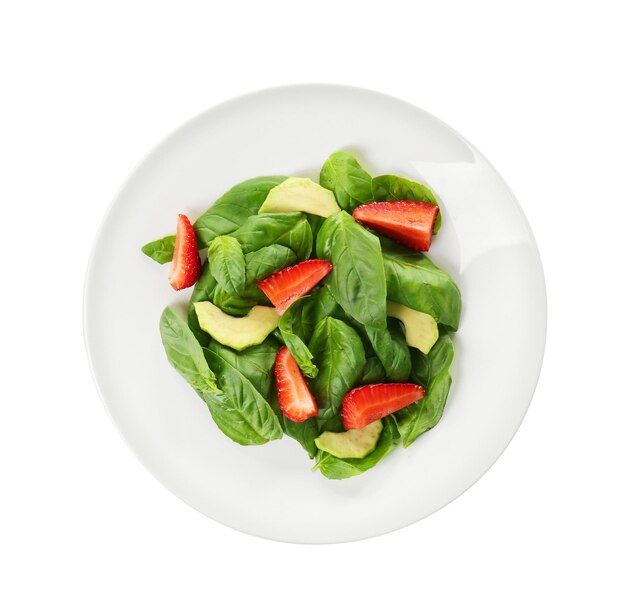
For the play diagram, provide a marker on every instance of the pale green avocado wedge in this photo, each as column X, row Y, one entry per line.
column 238, row 333
column 352, row 444
column 420, row 329
column 300, row 194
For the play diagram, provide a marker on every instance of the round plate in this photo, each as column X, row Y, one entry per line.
column 270, row 491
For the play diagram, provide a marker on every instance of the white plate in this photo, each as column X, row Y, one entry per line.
column 270, row 491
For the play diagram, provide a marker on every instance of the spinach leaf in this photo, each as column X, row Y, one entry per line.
column 373, row 372
column 203, row 290
column 340, row 357
column 267, row 260
column 185, row 354
column 432, row 372
column 391, row 348
column 242, row 413
column 295, row 329
column 233, row 208
column 227, row 263
column 304, row 432
column 287, row 229
column 351, row 184
column 413, row 280
column 161, row 250
column 336, row 469
column 357, row 281
column 394, row 188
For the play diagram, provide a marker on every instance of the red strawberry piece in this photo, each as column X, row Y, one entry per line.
column 186, row 266
column 407, row 222
column 289, row 284
column 363, row 405
column 294, row 396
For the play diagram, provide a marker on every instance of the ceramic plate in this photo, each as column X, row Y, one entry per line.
column 270, row 491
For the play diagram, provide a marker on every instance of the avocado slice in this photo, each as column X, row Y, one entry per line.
column 356, row 443
column 237, row 332
column 420, row 329
column 300, row 194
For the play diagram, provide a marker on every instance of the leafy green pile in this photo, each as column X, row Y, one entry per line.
column 340, row 334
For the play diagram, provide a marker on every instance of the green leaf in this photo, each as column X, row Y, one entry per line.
column 337, row 469
column 259, row 265
column 351, row 184
column 226, row 215
column 394, row 188
column 227, row 263
column 413, row 280
column 357, row 281
column 432, row 372
column 267, row 260
column 340, row 357
column 161, row 250
column 233, row 208
column 295, row 330
column 242, row 413
column 304, row 432
column 373, row 372
column 287, row 229
column 185, row 354
column 204, row 290
column 391, row 348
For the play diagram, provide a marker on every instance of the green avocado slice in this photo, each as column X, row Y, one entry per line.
column 355, row 444
column 420, row 329
column 300, row 194
column 238, row 333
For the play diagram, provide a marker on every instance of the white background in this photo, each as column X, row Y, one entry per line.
column 89, row 88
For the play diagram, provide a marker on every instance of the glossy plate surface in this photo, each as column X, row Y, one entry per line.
column 269, row 491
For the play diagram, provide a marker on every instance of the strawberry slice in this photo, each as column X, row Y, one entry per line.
column 294, row 396
column 186, row 264
column 289, row 284
column 363, row 405
column 407, row 222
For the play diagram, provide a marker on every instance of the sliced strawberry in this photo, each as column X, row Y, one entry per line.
column 363, row 405
column 291, row 283
column 408, row 222
column 186, row 264
column 294, row 396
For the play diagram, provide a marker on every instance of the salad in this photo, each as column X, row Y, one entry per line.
column 316, row 313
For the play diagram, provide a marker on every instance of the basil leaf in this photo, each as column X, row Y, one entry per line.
column 432, row 372
column 287, row 229
column 227, row 214
column 373, row 372
column 203, row 290
column 161, row 250
column 351, row 184
column 185, row 354
column 227, row 263
column 267, row 260
column 394, row 188
column 259, row 265
column 336, row 469
column 233, row 208
column 304, row 432
column 340, row 357
column 357, row 281
column 392, row 350
column 295, row 329
column 238, row 305
column 242, row 413
column 413, row 280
